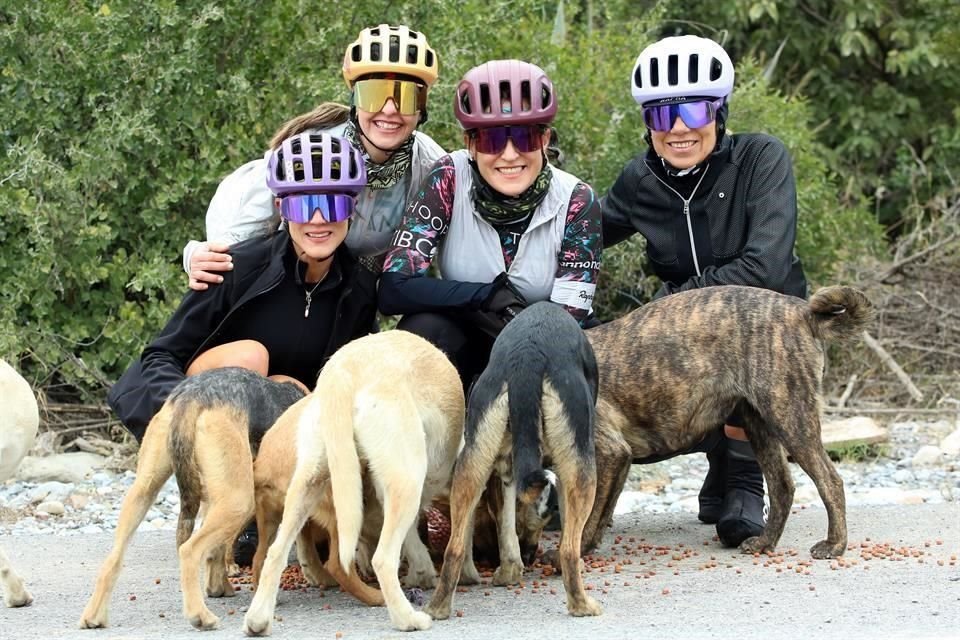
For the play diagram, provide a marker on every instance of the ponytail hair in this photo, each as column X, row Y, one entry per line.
column 323, row 116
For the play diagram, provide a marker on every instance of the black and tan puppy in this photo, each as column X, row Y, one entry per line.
column 533, row 403
column 207, row 432
column 675, row 369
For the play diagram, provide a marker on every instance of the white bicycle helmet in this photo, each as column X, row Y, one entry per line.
column 681, row 67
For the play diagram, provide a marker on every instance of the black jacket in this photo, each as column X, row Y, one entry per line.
column 258, row 267
column 742, row 218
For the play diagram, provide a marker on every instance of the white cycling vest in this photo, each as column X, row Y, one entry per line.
column 471, row 250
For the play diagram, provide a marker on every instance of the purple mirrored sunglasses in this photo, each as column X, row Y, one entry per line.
column 696, row 114
column 301, row 207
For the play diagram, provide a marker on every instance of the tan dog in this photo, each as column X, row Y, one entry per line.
column 675, row 369
column 390, row 404
column 533, row 403
column 19, row 419
column 207, row 433
column 272, row 472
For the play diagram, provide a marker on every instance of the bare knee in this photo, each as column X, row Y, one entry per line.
column 248, row 354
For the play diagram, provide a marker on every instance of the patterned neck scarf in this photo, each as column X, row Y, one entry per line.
column 391, row 171
column 498, row 209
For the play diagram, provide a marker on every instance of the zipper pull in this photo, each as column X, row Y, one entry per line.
column 686, row 208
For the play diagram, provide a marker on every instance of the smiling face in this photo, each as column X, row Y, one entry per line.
column 315, row 242
column 387, row 129
column 510, row 172
column 684, row 147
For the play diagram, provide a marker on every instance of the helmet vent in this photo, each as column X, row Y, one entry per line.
column 506, row 100
column 394, row 48
column 411, row 54
column 428, row 59
column 693, row 68
column 336, row 169
column 375, row 51
column 297, row 171
column 545, row 96
column 525, row 102
column 485, row 97
column 716, row 69
column 354, row 167
column 465, row 102
column 638, row 76
column 356, row 53
column 295, row 146
column 335, row 145
column 413, row 34
column 375, row 31
column 655, row 72
column 673, row 73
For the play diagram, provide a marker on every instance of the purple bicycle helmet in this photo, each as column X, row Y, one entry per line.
column 505, row 92
column 316, row 163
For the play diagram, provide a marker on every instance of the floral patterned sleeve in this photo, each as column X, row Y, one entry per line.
column 424, row 223
column 579, row 258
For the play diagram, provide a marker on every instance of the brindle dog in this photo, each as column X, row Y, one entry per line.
column 673, row 370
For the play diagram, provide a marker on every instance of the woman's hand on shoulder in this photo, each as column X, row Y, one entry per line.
column 207, row 263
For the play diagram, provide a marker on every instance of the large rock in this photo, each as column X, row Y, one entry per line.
column 951, row 444
column 64, row 467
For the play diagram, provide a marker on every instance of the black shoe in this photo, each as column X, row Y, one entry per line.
column 743, row 513
column 246, row 546
column 714, row 485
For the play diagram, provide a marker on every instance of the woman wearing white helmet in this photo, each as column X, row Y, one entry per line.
column 715, row 209
column 389, row 70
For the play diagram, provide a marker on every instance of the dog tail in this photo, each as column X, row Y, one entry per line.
column 332, row 411
column 838, row 313
column 182, row 454
column 526, row 422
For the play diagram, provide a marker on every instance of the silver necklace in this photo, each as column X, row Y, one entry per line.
column 307, row 292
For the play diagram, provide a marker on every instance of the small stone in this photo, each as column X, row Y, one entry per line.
column 52, row 507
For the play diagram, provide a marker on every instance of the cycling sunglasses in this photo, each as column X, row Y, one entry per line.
column 301, row 207
column 694, row 114
column 372, row 94
column 493, row 140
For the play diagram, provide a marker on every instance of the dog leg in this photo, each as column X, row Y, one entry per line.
column 468, row 573
column 311, row 565
column 268, row 520
column 579, row 490
column 401, row 505
column 815, row 462
column 511, row 565
column 420, row 570
column 349, row 581
column 465, row 493
column 153, row 469
column 225, row 518
column 218, row 582
column 303, row 496
column 15, row 594
column 613, row 458
column 773, row 463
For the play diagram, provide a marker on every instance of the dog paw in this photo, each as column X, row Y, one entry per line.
column 255, row 627
column 756, row 544
column 508, row 574
column 416, row 620
column 318, row 577
column 88, row 621
column 20, row 598
column 233, row 570
column 437, row 610
column 825, row 549
column 225, row 590
column 586, row 607
column 203, row 620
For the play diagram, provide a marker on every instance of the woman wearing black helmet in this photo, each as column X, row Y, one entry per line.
column 715, row 209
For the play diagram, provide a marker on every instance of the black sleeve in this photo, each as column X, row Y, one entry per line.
column 771, row 221
column 401, row 293
column 617, row 206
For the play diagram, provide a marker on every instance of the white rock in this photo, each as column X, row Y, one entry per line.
column 951, row 444
column 52, row 507
column 903, row 476
column 64, row 467
column 927, row 455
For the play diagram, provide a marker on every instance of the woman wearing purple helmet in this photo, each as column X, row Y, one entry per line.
column 389, row 70
column 715, row 209
column 295, row 296
column 505, row 228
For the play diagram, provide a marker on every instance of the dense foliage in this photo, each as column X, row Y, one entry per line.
column 121, row 118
